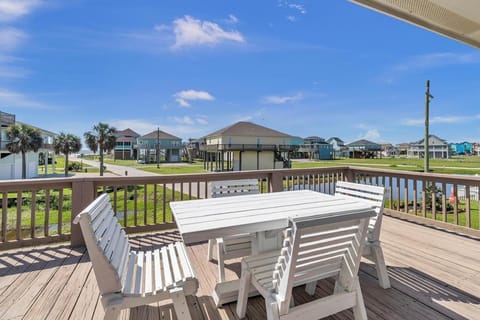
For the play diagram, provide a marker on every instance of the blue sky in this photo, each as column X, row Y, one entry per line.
column 325, row 68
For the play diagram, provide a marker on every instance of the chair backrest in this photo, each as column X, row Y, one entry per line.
column 229, row 188
column 316, row 248
column 107, row 243
column 372, row 194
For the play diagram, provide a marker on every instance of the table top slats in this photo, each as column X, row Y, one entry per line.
column 200, row 220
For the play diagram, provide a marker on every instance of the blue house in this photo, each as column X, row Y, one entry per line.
column 461, row 148
column 317, row 148
column 167, row 147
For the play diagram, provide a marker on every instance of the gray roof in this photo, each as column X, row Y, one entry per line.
column 248, row 129
column 336, row 139
column 430, row 136
column 362, row 142
column 160, row 134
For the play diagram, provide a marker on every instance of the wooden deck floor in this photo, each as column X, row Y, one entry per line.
column 435, row 275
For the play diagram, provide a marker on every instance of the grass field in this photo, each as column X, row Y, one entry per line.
column 460, row 165
column 60, row 166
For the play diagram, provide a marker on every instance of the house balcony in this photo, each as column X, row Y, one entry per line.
column 430, row 237
column 248, row 147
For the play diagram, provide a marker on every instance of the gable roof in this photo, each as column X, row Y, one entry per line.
column 431, row 136
column 339, row 141
column 362, row 142
column 127, row 132
column 160, row 134
column 249, row 129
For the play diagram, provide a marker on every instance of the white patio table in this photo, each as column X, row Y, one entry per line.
column 201, row 220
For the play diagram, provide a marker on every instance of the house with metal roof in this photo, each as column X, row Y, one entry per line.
column 437, row 148
column 247, row 146
column 364, row 149
column 159, row 146
column 126, row 145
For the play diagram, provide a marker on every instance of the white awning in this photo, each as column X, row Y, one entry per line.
column 456, row 19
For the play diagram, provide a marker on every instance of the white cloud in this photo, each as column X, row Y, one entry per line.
column 372, row 135
column 282, row 99
column 186, row 120
column 183, row 97
column 13, row 9
column 300, row 8
column 191, row 32
column 183, row 120
column 294, row 7
column 440, row 119
column 19, row 100
column 231, row 19
column 11, row 38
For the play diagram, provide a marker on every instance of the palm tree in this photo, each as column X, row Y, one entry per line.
column 102, row 139
column 22, row 139
column 66, row 144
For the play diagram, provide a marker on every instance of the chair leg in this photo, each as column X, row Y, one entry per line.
column 359, row 311
column 211, row 243
column 221, row 261
column 112, row 313
column 180, row 304
column 382, row 274
column 272, row 309
column 310, row 287
column 244, row 288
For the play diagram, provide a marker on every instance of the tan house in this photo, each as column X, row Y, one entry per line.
column 247, row 146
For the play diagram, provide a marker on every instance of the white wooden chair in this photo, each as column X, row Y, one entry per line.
column 234, row 246
column 127, row 278
column 373, row 250
column 314, row 248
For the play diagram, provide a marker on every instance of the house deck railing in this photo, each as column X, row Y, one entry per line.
column 39, row 211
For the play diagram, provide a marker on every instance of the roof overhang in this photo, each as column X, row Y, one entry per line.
column 456, row 19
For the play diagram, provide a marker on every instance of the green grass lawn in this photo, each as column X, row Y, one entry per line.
column 60, row 166
column 460, row 165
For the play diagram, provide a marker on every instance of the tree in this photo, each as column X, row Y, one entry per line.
column 66, row 143
column 22, row 139
column 102, row 139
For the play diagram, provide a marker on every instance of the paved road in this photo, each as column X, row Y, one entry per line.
column 117, row 170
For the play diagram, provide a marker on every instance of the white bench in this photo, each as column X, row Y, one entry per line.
column 314, row 248
column 235, row 246
column 376, row 197
column 127, row 278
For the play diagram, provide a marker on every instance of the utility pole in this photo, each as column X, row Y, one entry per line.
column 158, row 147
column 428, row 97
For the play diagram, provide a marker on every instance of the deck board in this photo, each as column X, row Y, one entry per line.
column 435, row 275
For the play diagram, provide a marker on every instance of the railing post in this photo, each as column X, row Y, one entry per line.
column 83, row 193
column 349, row 175
column 276, row 182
